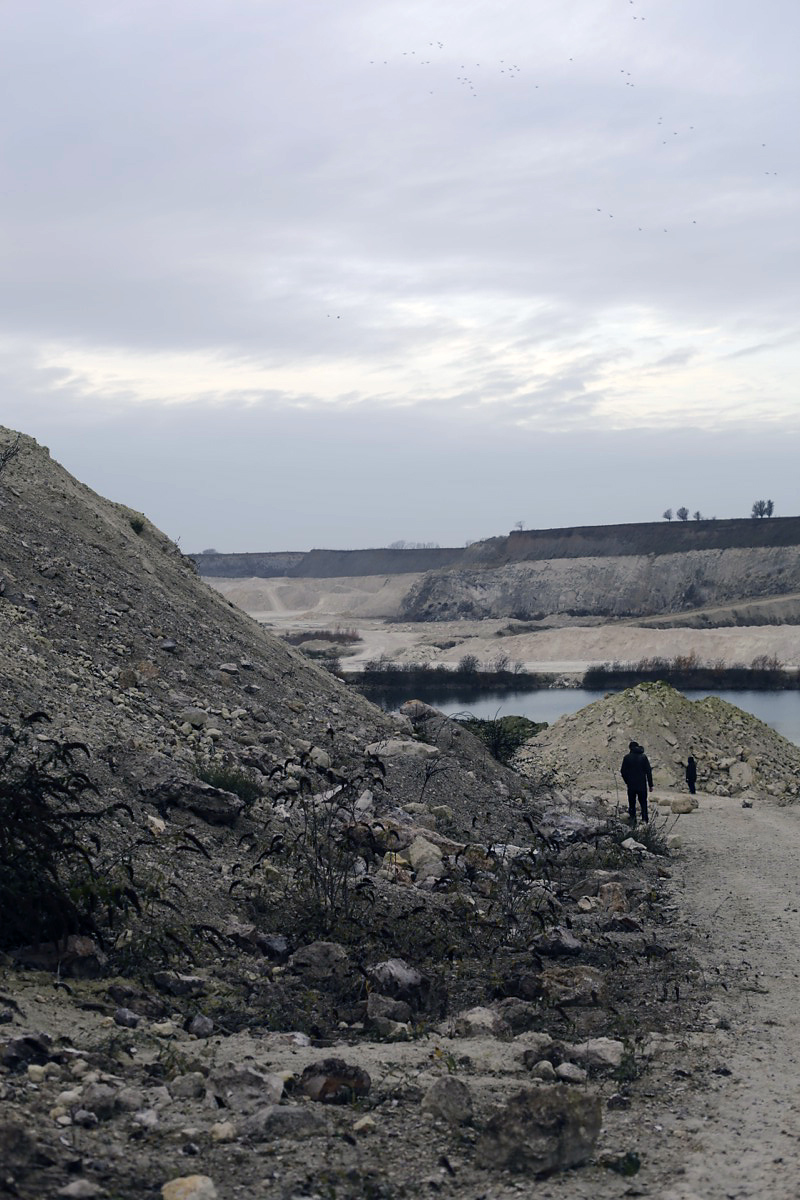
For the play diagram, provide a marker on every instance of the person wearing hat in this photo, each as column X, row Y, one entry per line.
column 638, row 776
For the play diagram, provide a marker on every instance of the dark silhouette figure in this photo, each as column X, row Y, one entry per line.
column 691, row 774
column 638, row 776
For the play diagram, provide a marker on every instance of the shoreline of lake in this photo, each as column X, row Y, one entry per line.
column 779, row 709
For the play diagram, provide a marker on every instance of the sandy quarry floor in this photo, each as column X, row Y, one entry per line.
column 731, row 1129
column 286, row 605
column 738, row 893
column 575, row 648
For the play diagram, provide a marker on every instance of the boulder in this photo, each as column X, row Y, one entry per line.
column 579, row 985
column 334, row 1081
column 320, row 961
column 387, row 1008
column 600, row 1052
column 741, row 776
column 189, row 1187
column 395, row 978
column 278, row 1120
column 556, row 942
column 612, row 897
column 176, row 984
column 243, row 1089
column 450, row 1099
column 213, row 805
column 541, row 1130
column 478, row 1022
column 425, row 859
column 543, row 1069
column 569, row 1072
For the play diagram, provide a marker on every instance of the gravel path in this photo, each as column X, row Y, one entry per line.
column 739, row 892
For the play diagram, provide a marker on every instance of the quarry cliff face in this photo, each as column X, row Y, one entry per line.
column 622, row 586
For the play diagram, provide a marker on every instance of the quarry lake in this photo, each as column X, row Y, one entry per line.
column 781, row 710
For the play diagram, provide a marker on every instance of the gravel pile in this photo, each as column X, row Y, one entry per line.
column 737, row 755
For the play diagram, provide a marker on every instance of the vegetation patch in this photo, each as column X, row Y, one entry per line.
column 502, row 736
column 764, row 673
column 389, row 684
column 230, row 778
column 49, row 884
column 343, row 637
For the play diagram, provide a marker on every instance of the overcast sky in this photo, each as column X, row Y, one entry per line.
column 295, row 273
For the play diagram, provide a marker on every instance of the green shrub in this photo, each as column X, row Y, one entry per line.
column 230, row 778
column 503, row 736
column 652, row 834
column 136, row 524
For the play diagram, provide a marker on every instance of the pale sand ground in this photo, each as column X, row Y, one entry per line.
column 362, row 603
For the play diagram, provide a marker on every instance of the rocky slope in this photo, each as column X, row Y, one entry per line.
column 106, row 627
column 624, row 586
column 737, row 755
column 385, row 946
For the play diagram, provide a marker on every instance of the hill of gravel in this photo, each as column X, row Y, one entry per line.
column 737, row 755
column 106, row 626
column 373, row 972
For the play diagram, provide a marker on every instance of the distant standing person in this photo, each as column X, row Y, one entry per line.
column 691, row 774
column 638, row 776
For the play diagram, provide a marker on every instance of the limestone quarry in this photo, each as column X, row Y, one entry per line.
column 308, row 949
column 624, row 586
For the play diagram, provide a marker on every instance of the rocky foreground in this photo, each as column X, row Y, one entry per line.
column 287, row 944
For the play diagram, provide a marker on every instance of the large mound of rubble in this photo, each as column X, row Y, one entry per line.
column 386, row 908
column 737, row 755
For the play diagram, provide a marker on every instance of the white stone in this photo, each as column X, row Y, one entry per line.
column 189, row 1187
column 598, row 1052
column 401, row 747
column 568, row 1072
column 223, row 1131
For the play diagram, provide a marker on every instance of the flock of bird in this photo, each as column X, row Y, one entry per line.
column 467, row 79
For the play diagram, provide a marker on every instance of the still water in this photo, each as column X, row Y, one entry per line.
column 781, row 710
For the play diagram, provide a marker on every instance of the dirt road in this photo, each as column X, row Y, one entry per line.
column 737, row 890
column 740, row 892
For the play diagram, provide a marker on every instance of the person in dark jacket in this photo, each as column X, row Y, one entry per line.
column 638, row 776
column 691, row 774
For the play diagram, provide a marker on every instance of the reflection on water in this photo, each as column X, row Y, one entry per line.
column 781, row 709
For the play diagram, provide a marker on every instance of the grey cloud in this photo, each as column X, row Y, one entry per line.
column 238, row 178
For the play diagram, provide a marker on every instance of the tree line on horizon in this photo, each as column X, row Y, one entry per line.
column 761, row 508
